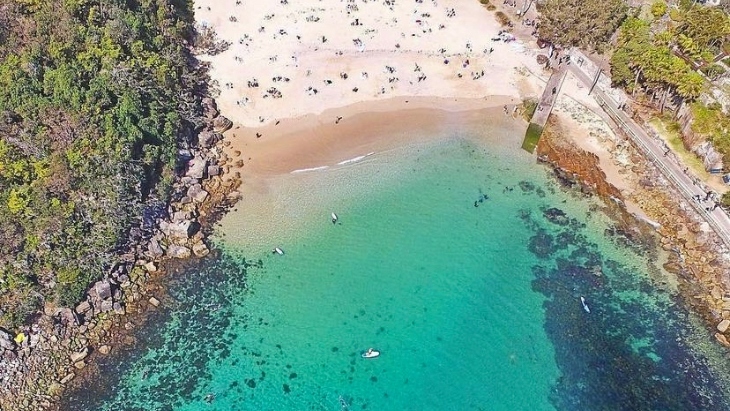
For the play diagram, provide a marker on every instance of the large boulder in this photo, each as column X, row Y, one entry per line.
column 197, row 167
column 207, row 139
column 107, row 305
column 67, row 317
column 213, row 171
column 103, row 289
column 80, row 355
column 723, row 325
column 178, row 251
column 154, row 248
column 181, row 230
column 83, row 307
column 197, row 193
column 210, row 108
column 221, row 124
column 200, row 249
column 6, row 340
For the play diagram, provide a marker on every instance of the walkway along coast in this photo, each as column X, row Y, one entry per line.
column 686, row 184
column 544, row 108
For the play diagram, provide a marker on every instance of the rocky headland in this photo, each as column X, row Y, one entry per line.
column 54, row 352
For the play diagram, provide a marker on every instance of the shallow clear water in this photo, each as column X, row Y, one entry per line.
column 461, row 261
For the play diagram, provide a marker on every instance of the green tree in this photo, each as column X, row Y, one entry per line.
column 707, row 26
column 690, row 85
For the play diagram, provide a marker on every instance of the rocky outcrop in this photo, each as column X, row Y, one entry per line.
column 57, row 350
column 695, row 255
column 573, row 165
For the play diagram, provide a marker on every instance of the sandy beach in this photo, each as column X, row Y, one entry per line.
column 286, row 60
column 310, row 84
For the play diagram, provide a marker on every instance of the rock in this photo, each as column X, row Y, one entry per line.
column 103, row 289
column 36, row 338
column 151, row 267
column 83, row 307
column 80, row 365
column 722, row 339
column 117, row 307
column 200, row 249
column 6, row 340
column 723, row 325
column 106, row 306
column 178, row 231
column 221, row 124
column 178, row 251
column 154, row 248
column 67, row 378
column 154, row 301
column 67, row 317
column 197, row 193
column 213, row 171
column 210, row 109
column 178, row 216
column 79, row 356
column 105, row 349
column 207, row 139
column 197, row 167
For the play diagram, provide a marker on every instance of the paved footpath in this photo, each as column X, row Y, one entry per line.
column 549, row 96
column 655, row 150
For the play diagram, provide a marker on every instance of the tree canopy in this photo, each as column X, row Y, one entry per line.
column 588, row 24
column 94, row 97
column 645, row 60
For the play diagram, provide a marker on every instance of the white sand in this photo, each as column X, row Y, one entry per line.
column 273, row 42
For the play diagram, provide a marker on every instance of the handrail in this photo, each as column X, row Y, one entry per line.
column 719, row 228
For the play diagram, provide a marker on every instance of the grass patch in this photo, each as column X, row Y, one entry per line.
column 502, row 18
column 669, row 131
column 484, row 2
column 528, row 108
column 532, row 136
column 491, row 7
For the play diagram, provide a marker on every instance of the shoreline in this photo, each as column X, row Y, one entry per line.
column 682, row 237
column 314, row 141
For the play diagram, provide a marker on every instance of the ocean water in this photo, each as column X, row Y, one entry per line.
column 460, row 260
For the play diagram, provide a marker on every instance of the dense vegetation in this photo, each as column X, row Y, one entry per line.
column 645, row 60
column 665, row 56
column 94, row 96
column 587, row 24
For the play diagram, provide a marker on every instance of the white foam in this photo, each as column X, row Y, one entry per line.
column 306, row 170
column 355, row 159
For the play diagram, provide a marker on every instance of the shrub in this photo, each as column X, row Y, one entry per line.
column 529, row 107
column 713, row 71
column 658, row 8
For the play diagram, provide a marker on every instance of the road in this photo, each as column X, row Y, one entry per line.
column 654, row 150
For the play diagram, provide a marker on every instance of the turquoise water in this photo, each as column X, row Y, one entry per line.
column 460, row 260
